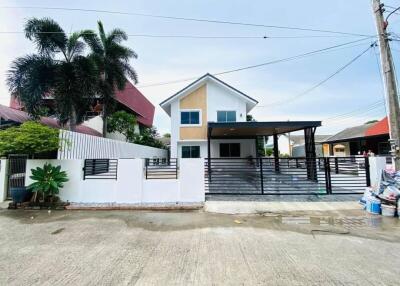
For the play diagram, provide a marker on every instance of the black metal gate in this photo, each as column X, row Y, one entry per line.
column 286, row 176
column 16, row 172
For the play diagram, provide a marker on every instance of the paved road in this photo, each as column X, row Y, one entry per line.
column 196, row 248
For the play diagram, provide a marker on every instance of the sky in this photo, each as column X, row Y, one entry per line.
column 278, row 87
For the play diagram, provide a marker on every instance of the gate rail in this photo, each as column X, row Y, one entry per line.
column 286, row 176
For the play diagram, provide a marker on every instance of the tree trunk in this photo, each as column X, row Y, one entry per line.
column 104, row 119
column 72, row 120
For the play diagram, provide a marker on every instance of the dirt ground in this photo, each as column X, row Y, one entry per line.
column 197, row 248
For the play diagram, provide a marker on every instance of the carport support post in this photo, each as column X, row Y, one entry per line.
column 276, row 152
column 310, row 153
column 209, row 153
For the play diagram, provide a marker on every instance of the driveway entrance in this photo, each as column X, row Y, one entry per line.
column 286, row 176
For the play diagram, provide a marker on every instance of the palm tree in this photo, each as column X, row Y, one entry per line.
column 59, row 69
column 112, row 60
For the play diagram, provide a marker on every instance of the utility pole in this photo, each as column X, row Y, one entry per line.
column 392, row 101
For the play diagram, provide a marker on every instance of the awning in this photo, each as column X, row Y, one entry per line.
column 252, row 129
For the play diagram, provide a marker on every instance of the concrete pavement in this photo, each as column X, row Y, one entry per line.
column 344, row 247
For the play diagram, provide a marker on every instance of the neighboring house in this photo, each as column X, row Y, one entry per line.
column 130, row 100
column 12, row 117
column 208, row 119
column 294, row 145
column 298, row 145
column 356, row 140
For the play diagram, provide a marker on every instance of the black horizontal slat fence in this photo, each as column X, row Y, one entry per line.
column 100, row 169
column 286, row 176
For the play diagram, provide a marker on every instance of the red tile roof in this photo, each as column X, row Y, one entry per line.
column 379, row 128
column 132, row 98
column 19, row 116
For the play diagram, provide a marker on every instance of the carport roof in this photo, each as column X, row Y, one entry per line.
column 252, row 129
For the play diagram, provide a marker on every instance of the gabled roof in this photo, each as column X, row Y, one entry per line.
column 361, row 131
column 199, row 82
column 299, row 139
column 132, row 98
column 19, row 116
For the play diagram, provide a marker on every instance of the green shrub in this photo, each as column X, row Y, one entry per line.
column 29, row 138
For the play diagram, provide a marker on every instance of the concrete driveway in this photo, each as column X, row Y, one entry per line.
column 197, row 248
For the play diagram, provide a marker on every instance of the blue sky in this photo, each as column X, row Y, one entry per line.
column 166, row 59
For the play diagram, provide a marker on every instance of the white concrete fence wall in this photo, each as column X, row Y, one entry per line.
column 82, row 146
column 131, row 186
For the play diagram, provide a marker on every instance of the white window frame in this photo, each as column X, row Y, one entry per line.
column 190, row 125
column 236, row 113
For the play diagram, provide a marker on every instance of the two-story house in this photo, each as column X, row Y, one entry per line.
column 207, row 99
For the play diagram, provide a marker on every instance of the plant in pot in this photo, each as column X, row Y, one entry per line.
column 47, row 181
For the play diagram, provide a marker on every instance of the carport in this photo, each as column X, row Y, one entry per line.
column 253, row 130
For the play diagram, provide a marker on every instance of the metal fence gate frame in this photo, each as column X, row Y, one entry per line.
column 16, row 171
column 287, row 176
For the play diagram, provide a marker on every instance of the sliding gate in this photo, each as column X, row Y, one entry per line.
column 286, row 176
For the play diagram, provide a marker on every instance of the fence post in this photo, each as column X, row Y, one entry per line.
column 261, row 176
column 367, row 172
column 146, row 164
column 327, row 168
column 336, row 165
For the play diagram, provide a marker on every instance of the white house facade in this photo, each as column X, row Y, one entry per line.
column 208, row 99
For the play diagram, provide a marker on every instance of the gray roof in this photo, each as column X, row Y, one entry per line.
column 350, row 133
column 299, row 139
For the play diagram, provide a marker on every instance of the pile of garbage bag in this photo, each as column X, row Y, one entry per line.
column 383, row 198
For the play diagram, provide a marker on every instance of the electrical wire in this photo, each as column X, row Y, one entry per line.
column 203, row 20
column 296, row 97
column 258, row 65
column 263, row 37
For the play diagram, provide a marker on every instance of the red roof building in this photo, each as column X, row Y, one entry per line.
column 12, row 116
column 131, row 100
column 379, row 128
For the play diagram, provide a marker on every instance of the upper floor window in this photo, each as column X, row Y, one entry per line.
column 191, row 117
column 226, row 116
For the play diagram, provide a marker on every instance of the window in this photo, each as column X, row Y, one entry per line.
column 226, row 116
column 190, row 117
column 229, row 150
column 190, row 151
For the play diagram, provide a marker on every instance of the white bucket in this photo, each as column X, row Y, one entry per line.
column 388, row 210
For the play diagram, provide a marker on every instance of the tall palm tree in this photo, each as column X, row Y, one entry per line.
column 59, row 69
column 112, row 60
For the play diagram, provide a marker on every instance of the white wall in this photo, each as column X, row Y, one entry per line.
column 131, row 187
column 376, row 165
column 3, row 180
column 247, row 147
column 223, row 99
column 95, row 123
column 82, row 146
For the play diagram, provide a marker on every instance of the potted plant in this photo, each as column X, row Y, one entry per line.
column 47, row 181
column 20, row 194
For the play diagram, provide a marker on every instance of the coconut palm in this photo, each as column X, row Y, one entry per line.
column 112, row 59
column 59, row 69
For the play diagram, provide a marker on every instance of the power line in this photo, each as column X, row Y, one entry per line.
column 203, row 20
column 197, row 36
column 257, row 65
column 286, row 101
